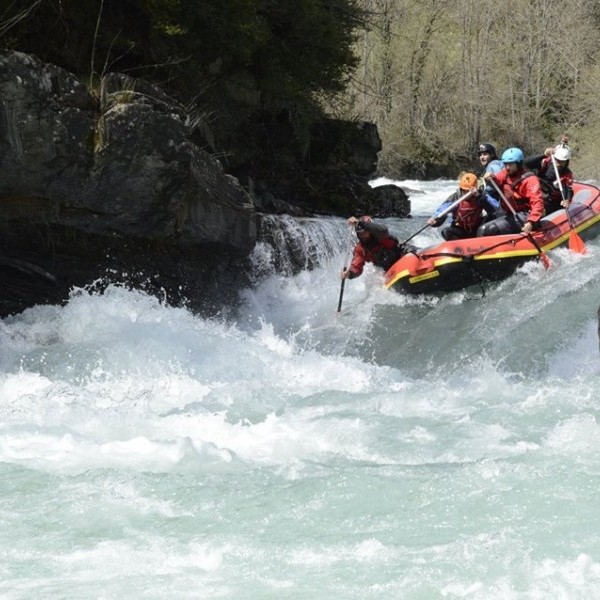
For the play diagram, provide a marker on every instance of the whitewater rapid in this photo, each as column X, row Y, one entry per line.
column 409, row 447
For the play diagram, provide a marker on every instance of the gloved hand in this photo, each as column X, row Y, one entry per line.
column 528, row 227
column 407, row 249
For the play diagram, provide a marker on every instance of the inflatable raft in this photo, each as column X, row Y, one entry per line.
column 459, row 264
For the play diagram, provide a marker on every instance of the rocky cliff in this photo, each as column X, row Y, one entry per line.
column 112, row 187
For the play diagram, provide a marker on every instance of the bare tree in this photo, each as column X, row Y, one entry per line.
column 439, row 76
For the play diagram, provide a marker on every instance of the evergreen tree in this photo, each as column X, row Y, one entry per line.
column 290, row 49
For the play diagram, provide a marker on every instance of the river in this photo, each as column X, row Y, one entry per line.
column 419, row 448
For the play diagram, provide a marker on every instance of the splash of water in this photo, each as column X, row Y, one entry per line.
column 434, row 447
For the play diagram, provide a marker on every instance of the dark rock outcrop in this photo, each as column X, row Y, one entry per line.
column 327, row 173
column 89, row 187
column 386, row 200
column 355, row 144
column 121, row 187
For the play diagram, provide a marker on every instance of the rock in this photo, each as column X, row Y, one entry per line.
column 304, row 169
column 387, row 200
column 355, row 144
column 118, row 186
column 87, row 185
column 266, row 202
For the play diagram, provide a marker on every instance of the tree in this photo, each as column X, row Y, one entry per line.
column 464, row 71
column 290, row 48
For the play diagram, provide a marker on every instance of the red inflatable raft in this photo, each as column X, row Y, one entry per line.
column 462, row 263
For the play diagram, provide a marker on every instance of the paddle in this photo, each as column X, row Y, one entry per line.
column 543, row 256
column 442, row 214
column 339, row 308
column 344, row 269
column 576, row 244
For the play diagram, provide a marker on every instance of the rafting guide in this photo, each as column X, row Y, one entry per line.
column 556, row 177
column 375, row 245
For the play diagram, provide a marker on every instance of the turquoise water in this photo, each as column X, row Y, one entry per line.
column 411, row 448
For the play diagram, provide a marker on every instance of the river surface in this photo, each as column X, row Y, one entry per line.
column 418, row 448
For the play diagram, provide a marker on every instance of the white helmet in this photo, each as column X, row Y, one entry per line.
column 562, row 152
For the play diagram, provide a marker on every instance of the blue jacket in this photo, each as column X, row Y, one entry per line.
column 493, row 167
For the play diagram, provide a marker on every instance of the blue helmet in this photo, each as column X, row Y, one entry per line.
column 513, row 155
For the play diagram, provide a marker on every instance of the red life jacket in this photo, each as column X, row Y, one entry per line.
column 382, row 253
column 468, row 214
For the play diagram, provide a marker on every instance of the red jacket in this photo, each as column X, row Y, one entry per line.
column 523, row 192
column 382, row 253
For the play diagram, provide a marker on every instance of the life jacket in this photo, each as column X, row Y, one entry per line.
column 468, row 214
column 384, row 252
column 523, row 194
column 547, row 176
column 514, row 194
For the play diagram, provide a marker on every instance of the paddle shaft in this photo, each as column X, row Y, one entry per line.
column 345, row 268
column 575, row 242
column 442, row 214
column 339, row 308
column 562, row 190
column 560, row 185
column 415, row 234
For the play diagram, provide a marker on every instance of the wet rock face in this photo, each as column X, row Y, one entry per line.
column 46, row 129
column 357, row 143
column 125, row 165
column 113, row 184
column 387, row 200
column 81, row 179
column 143, row 151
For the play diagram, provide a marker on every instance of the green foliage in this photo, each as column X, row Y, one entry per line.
column 289, row 48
